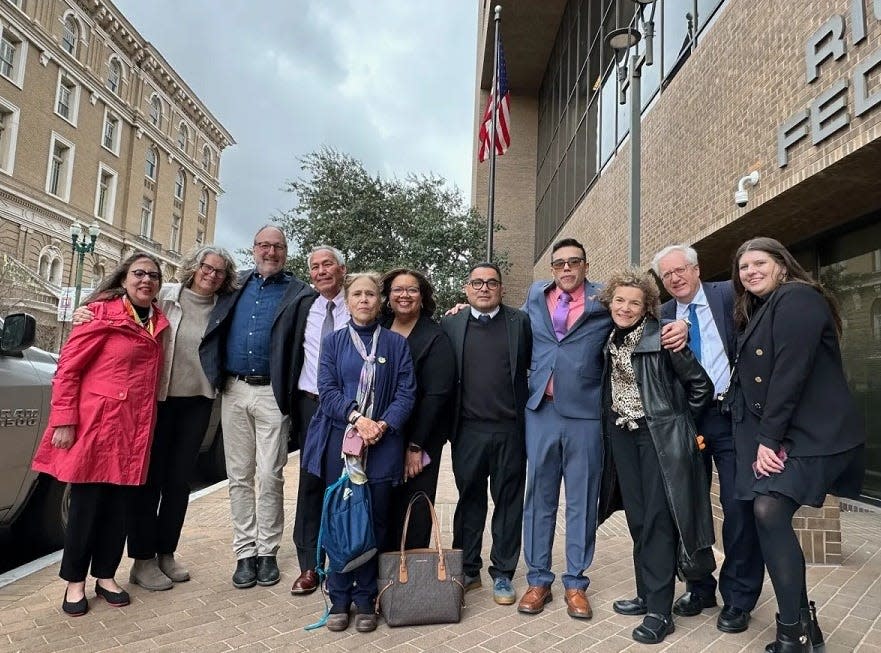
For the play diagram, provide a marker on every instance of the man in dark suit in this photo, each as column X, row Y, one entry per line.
column 709, row 308
column 492, row 344
column 251, row 355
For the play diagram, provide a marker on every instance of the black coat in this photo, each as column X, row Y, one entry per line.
column 674, row 390
column 789, row 387
column 286, row 345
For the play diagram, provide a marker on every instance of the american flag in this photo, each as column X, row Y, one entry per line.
column 503, row 122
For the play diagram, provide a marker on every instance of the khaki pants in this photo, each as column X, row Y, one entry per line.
column 255, row 441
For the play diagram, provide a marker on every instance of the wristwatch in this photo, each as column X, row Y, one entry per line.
column 414, row 448
column 354, row 416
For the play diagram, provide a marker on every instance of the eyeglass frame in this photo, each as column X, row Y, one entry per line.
column 409, row 290
column 265, row 246
column 572, row 262
column 678, row 271
column 212, row 271
column 140, row 274
column 491, row 284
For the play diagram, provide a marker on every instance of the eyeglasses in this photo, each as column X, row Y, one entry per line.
column 140, row 274
column 572, row 262
column 680, row 271
column 413, row 290
column 477, row 284
column 210, row 270
column 265, row 247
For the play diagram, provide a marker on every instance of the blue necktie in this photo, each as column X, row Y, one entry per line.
column 483, row 319
column 694, row 332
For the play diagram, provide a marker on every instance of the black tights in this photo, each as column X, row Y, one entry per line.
column 782, row 552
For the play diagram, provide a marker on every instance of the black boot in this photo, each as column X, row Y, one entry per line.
column 792, row 638
column 814, row 631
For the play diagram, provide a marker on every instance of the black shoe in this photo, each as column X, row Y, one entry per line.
column 792, row 638
column 118, row 599
column 732, row 620
column 267, row 571
column 814, row 631
column 654, row 628
column 246, row 573
column 630, row 607
column 75, row 608
column 692, row 604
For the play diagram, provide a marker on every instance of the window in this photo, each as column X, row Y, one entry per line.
column 8, row 135
column 12, row 55
column 174, row 241
column 206, row 158
column 70, row 35
column 67, row 98
column 150, row 163
column 105, row 195
column 203, row 202
column 179, row 184
column 111, row 134
column 98, row 272
column 183, row 134
column 200, row 237
column 156, row 111
column 114, row 76
column 59, row 169
column 147, row 217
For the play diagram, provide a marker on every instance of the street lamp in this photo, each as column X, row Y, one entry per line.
column 81, row 247
column 621, row 41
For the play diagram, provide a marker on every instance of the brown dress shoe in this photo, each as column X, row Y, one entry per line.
column 577, row 605
column 535, row 599
column 306, row 583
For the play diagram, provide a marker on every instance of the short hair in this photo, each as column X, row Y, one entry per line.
column 425, row 289
column 337, row 254
column 111, row 287
column 354, row 276
column 196, row 256
column 568, row 242
column 633, row 278
column 690, row 256
column 485, row 264
column 270, row 225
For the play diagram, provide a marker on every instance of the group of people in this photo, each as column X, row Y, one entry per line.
column 626, row 401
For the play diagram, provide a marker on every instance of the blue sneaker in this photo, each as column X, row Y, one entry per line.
column 503, row 591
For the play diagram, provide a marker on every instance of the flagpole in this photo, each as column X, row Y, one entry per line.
column 494, row 94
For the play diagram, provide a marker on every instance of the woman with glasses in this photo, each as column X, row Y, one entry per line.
column 408, row 311
column 101, row 424
column 185, row 397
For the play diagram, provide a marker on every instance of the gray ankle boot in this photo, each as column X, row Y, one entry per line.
column 147, row 574
column 172, row 568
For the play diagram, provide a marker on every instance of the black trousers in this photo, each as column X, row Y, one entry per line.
column 494, row 452
column 310, row 492
column 95, row 530
column 648, row 516
column 419, row 531
column 159, row 507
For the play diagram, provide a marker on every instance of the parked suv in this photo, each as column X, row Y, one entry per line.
column 37, row 502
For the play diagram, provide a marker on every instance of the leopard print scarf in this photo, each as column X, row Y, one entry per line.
column 625, row 394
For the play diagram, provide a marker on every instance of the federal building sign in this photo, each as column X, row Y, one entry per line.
column 830, row 110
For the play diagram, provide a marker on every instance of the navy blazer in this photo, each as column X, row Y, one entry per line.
column 285, row 347
column 576, row 361
column 394, row 394
column 519, row 353
column 720, row 297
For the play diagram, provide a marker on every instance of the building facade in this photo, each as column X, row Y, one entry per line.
column 791, row 90
column 95, row 127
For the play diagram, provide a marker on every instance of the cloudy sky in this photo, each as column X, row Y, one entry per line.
column 389, row 82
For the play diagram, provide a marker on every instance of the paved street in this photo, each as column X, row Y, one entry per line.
column 208, row 614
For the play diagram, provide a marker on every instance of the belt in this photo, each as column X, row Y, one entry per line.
column 549, row 398
column 252, row 379
column 309, row 395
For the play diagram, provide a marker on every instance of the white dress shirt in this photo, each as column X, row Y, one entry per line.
column 312, row 338
column 713, row 356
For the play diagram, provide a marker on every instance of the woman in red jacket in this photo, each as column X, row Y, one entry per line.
column 101, row 424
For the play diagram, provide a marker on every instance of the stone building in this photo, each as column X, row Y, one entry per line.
column 95, row 127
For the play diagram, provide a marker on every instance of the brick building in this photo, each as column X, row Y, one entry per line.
column 95, row 127
column 789, row 89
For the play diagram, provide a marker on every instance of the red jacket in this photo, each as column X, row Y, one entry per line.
column 105, row 386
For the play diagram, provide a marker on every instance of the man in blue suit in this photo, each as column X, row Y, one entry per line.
column 709, row 308
column 563, row 424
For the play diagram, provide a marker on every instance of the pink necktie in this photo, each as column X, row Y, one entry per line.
column 561, row 315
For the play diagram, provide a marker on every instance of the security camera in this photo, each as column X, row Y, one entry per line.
column 741, row 196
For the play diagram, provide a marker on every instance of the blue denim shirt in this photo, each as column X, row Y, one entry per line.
column 247, row 345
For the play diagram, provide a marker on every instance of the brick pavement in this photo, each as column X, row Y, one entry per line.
column 208, row 614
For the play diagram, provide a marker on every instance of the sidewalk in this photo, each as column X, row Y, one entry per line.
column 208, row 614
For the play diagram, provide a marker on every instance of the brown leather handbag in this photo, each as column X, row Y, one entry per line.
column 421, row 586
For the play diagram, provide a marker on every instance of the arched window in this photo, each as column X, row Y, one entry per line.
column 43, row 266
column 156, row 111
column 206, row 158
column 151, row 163
column 70, row 35
column 203, row 202
column 114, row 75
column 98, row 272
column 50, row 265
column 55, row 271
column 183, row 135
column 876, row 320
column 179, row 184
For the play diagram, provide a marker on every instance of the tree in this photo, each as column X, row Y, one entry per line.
column 378, row 224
